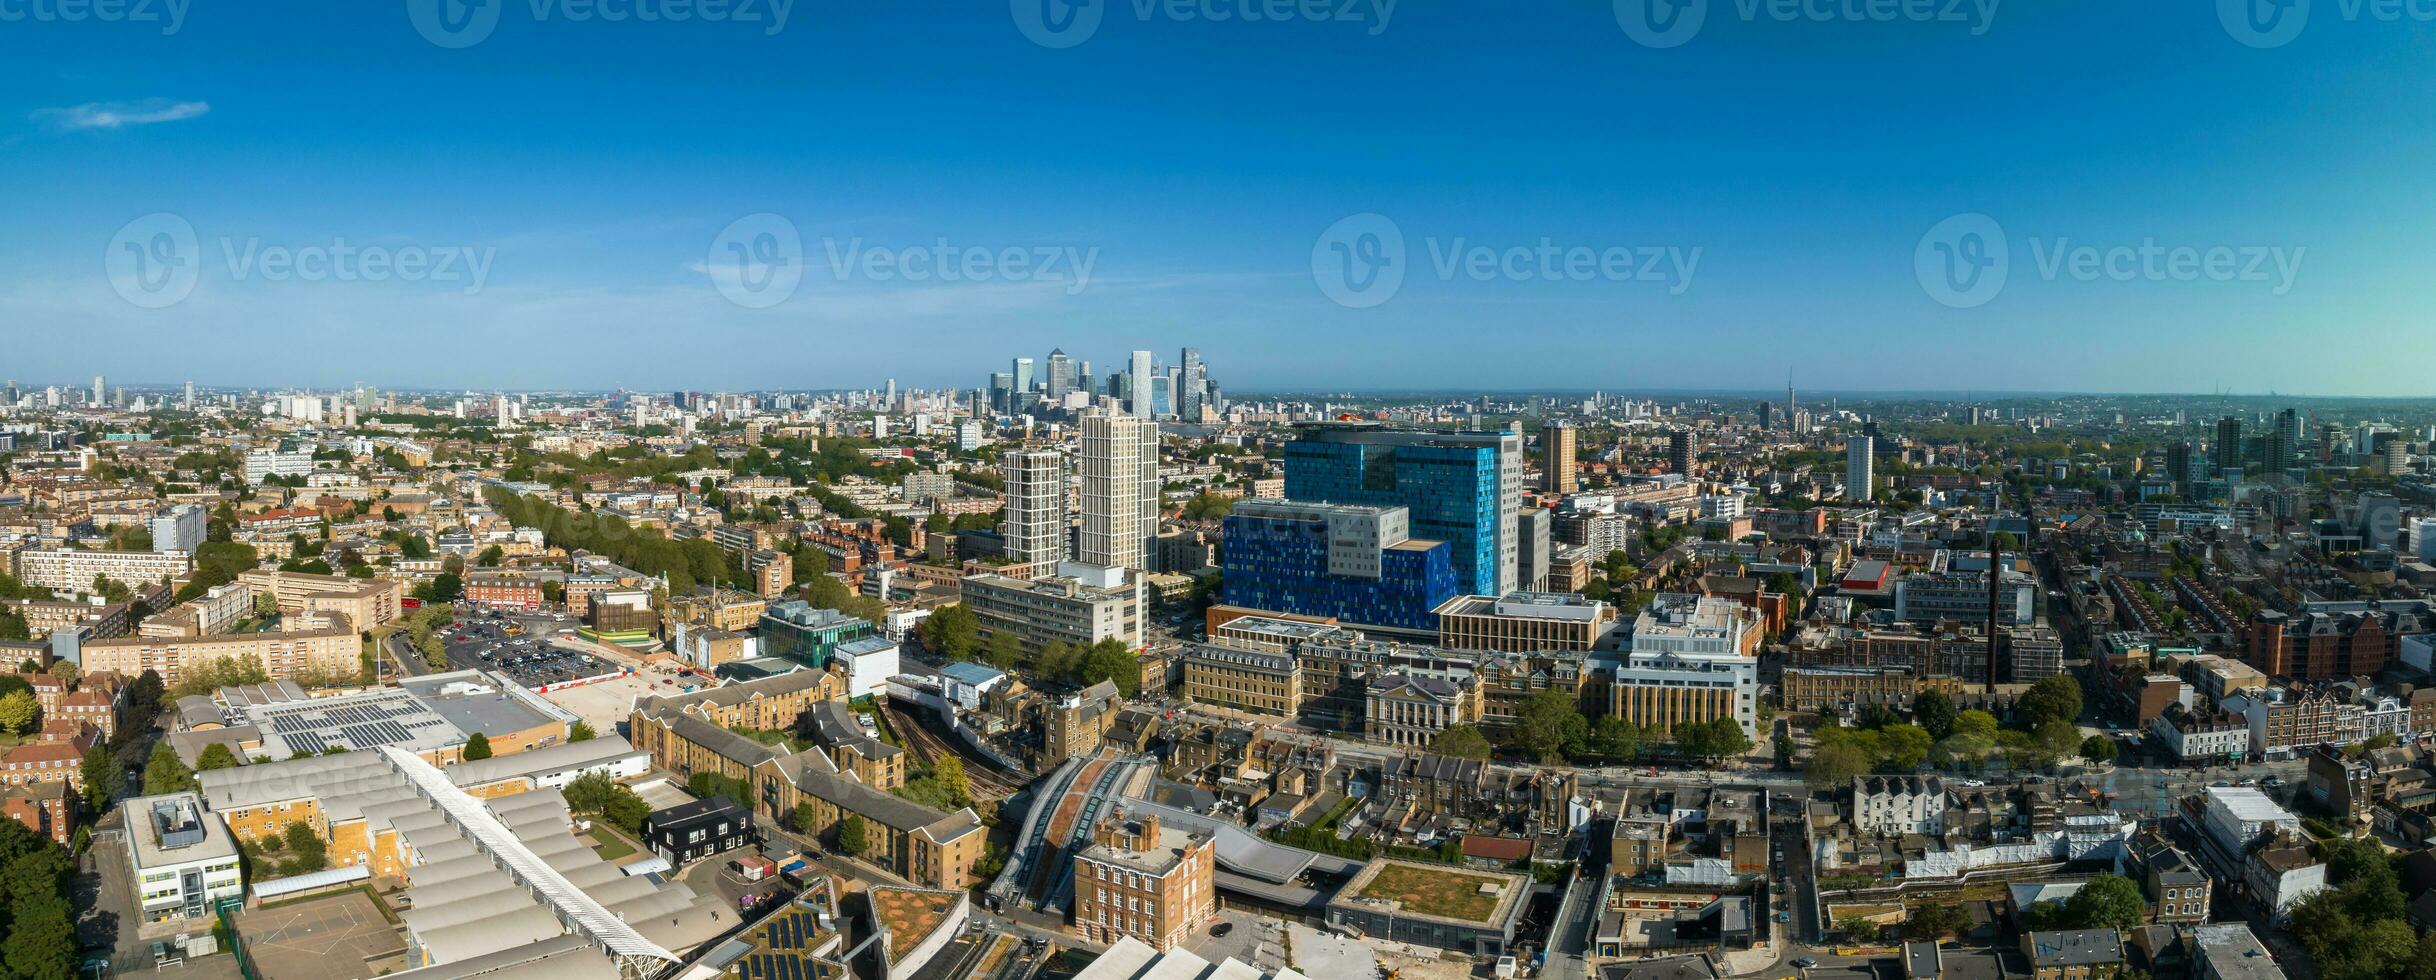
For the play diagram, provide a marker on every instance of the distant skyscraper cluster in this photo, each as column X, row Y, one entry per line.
column 1143, row 389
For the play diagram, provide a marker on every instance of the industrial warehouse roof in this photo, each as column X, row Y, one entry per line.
column 497, row 885
column 563, row 757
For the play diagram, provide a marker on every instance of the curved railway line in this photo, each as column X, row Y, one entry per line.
column 988, row 781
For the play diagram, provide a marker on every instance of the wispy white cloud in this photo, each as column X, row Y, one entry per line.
column 119, row 115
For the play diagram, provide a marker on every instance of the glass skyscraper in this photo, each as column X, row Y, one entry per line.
column 1463, row 488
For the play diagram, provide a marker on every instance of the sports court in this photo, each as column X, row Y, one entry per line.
column 336, row 937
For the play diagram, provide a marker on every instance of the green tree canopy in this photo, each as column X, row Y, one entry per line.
column 1462, row 742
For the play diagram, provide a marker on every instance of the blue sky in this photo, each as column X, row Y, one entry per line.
column 592, row 167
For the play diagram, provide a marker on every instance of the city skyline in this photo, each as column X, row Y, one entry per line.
column 556, row 198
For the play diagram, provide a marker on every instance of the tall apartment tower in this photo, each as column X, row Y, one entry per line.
column 1679, row 452
column 2178, row 465
column 1858, row 485
column 1556, row 465
column 2227, row 455
column 1120, row 466
column 1138, row 386
column 1036, row 506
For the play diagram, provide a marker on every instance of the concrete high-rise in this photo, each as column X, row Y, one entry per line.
column 1556, row 442
column 1120, row 467
column 1061, row 375
column 1137, row 385
column 1679, row 452
column 1036, row 521
column 2227, row 454
column 1857, row 473
column 1463, row 488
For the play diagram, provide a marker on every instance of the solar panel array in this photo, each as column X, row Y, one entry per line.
column 388, row 720
column 783, row 950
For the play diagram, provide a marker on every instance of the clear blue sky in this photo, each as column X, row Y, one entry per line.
column 594, row 163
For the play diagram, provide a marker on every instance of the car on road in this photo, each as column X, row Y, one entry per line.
column 1804, row 962
column 1220, row 930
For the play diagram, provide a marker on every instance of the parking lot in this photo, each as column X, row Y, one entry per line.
column 526, row 651
column 605, row 704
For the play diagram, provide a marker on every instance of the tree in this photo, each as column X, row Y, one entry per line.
column 2106, row 902
column 852, row 838
column 166, row 773
column 1932, row 920
column 952, row 632
column 101, row 776
column 1903, row 747
column 2055, row 698
column 1934, row 711
column 1711, row 740
column 804, row 820
column 67, row 670
column 1546, row 723
column 1059, row 659
column 1614, row 738
column 2099, row 748
column 477, row 747
column 41, row 940
column 1005, row 650
column 18, row 712
column 1111, row 660
column 949, row 773
column 1462, row 742
column 1835, row 764
column 215, row 756
column 312, row 853
column 581, row 732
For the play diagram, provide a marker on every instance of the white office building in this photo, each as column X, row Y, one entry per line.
column 181, row 856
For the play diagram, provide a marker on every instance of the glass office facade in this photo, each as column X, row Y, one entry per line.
column 1281, row 565
column 1450, row 488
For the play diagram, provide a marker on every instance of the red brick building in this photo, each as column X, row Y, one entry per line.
column 2334, row 639
column 44, row 808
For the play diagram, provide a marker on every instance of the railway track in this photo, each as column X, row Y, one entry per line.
column 987, row 783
